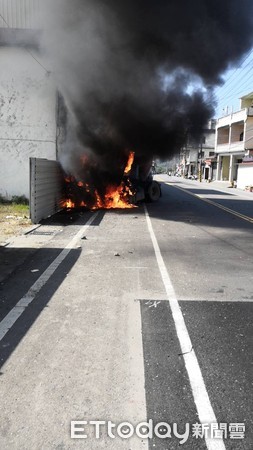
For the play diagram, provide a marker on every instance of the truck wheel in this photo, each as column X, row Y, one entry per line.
column 153, row 192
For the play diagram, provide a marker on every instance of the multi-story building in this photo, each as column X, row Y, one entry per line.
column 234, row 140
column 199, row 157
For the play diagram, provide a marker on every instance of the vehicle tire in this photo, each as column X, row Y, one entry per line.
column 153, row 192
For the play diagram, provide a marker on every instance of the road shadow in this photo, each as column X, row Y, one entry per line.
column 30, row 264
column 72, row 216
column 12, row 255
column 21, row 267
column 18, row 284
column 179, row 206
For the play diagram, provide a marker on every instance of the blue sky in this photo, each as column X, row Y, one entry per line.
column 238, row 81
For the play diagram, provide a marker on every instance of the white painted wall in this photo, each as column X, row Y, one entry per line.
column 249, row 133
column 27, row 118
column 20, row 13
column 246, row 100
column 245, row 175
column 210, row 140
column 238, row 116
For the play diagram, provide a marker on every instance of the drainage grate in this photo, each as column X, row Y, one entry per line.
column 43, row 233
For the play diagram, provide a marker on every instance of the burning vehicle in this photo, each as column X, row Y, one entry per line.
column 136, row 184
column 145, row 187
column 136, row 77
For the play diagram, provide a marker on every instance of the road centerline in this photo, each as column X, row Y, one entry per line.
column 211, row 202
column 200, row 394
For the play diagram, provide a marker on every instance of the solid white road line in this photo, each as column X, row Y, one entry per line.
column 200, row 395
column 20, row 307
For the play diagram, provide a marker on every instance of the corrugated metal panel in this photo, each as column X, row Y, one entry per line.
column 45, row 188
column 20, row 14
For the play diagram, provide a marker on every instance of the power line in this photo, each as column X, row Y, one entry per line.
column 240, row 86
column 235, row 85
column 238, row 80
column 239, row 67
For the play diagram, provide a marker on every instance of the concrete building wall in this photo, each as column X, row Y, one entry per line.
column 246, row 101
column 20, row 14
column 249, row 133
column 27, row 118
column 209, row 140
column 223, row 135
column 245, row 175
column 225, row 168
column 237, row 130
column 234, row 139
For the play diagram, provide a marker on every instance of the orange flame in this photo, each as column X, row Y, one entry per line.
column 129, row 163
column 69, row 203
column 115, row 196
column 69, row 179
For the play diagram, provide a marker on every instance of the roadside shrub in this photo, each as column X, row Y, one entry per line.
column 3, row 200
column 19, row 200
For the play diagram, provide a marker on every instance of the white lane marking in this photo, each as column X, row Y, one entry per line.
column 200, row 395
column 217, row 300
column 20, row 307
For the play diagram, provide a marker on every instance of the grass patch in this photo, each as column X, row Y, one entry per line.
column 14, row 218
column 13, row 209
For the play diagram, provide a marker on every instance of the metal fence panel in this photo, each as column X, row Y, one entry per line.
column 46, row 180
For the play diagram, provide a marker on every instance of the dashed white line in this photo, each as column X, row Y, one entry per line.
column 17, row 311
column 200, row 395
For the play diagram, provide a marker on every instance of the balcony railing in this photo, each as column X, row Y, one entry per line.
column 238, row 146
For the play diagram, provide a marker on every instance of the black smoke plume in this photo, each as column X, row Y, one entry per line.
column 138, row 74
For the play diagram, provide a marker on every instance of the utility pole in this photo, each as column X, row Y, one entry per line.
column 200, row 162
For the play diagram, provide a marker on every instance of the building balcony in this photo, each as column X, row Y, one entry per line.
column 237, row 116
column 232, row 147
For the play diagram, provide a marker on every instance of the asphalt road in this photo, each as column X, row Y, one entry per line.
column 143, row 314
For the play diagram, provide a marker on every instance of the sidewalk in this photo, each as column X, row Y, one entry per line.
column 225, row 186
column 18, row 248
